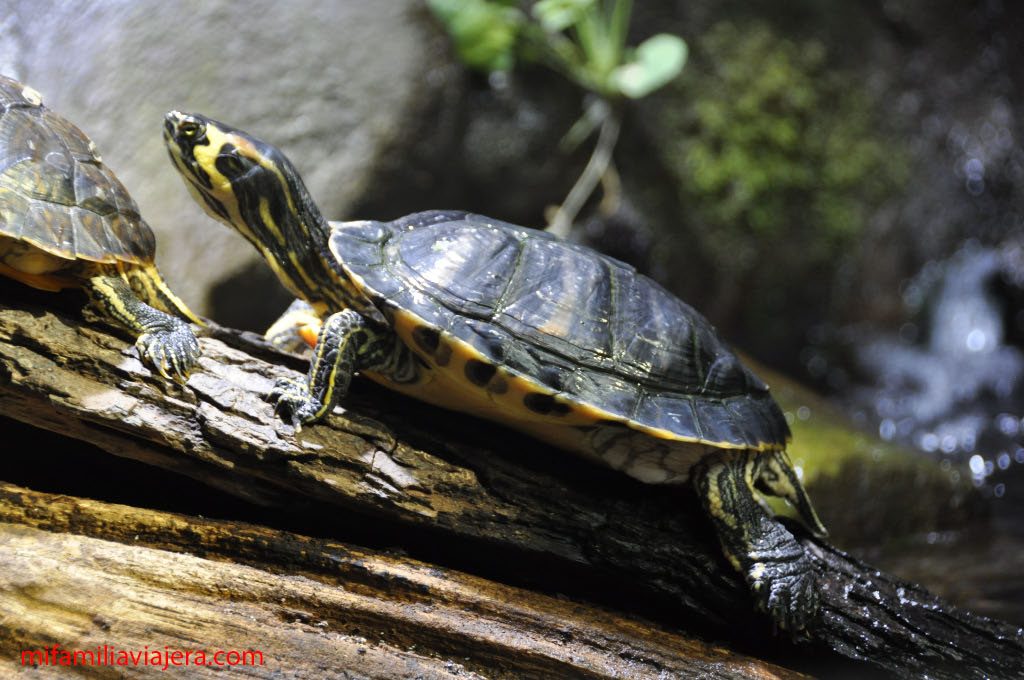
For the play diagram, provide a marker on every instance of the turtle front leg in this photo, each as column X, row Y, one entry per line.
column 165, row 342
column 347, row 343
column 150, row 286
column 775, row 566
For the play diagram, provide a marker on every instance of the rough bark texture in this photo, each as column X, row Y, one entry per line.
column 84, row 574
column 469, row 495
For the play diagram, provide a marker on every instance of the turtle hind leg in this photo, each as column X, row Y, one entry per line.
column 776, row 477
column 774, row 564
column 297, row 329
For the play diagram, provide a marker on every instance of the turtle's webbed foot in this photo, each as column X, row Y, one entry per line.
column 170, row 347
column 782, row 579
column 293, row 402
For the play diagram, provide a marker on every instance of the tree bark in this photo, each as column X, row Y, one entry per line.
column 88, row 575
column 468, row 495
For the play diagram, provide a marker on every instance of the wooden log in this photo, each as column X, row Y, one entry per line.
column 111, row 579
column 467, row 494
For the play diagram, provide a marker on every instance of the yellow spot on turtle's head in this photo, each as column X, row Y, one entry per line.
column 225, row 169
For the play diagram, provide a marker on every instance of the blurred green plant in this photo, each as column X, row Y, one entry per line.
column 776, row 155
column 585, row 40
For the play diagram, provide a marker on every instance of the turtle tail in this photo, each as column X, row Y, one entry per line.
column 147, row 283
column 776, row 477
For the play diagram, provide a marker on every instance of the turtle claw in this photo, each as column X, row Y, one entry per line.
column 786, row 591
column 293, row 403
column 172, row 350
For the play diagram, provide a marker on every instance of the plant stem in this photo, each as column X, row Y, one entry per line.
column 591, row 175
column 618, row 26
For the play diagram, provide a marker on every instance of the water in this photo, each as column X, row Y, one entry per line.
column 951, row 383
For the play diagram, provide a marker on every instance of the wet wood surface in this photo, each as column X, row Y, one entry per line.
column 468, row 495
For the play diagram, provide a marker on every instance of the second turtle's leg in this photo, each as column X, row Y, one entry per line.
column 347, row 343
column 776, row 568
column 165, row 342
column 297, row 329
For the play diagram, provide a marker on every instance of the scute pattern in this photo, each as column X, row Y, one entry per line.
column 578, row 323
column 56, row 193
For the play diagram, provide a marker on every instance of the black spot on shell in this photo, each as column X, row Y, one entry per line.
column 552, row 376
column 427, row 338
column 479, row 372
column 544, row 404
column 443, row 355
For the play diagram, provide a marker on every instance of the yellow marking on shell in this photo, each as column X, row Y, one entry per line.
column 29, row 260
column 600, row 414
column 446, row 386
column 49, row 282
column 561, row 316
column 32, row 266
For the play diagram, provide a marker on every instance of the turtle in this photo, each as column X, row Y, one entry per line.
column 67, row 222
column 525, row 329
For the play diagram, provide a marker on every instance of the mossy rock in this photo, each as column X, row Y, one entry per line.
column 867, row 490
column 779, row 161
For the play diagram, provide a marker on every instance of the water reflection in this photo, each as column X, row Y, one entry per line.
column 958, row 386
column 951, row 383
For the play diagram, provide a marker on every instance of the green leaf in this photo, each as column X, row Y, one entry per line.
column 558, row 15
column 654, row 63
column 484, row 31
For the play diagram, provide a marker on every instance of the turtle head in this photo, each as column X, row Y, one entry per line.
column 228, row 171
column 252, row 187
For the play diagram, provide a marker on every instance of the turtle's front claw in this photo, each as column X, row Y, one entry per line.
column 293, row 403
column 172, row 350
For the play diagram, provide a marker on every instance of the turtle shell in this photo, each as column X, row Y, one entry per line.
column 56, row 193
column 592, row 334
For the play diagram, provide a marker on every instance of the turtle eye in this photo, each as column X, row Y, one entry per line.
column 189, row 128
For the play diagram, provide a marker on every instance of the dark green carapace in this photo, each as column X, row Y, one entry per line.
column 67, row 222
column 522, row 328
